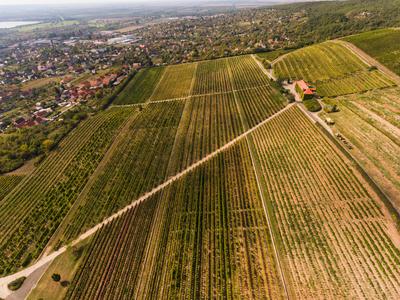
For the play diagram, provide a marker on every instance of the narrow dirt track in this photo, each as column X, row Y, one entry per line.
column 4, row 291
column 370, row 60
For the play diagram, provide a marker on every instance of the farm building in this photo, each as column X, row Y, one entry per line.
column 305, row 90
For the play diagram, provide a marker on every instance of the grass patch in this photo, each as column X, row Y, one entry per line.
column 312, row 105
column 272, row 55
column 16, row 284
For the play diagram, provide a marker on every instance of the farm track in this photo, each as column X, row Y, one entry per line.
column 5, row 280
column 370, row 60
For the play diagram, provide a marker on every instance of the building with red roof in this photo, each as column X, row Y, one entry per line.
column 305, row 90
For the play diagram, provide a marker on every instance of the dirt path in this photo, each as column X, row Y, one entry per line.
column 4, row 291
column 269, row 73
column 370, row 60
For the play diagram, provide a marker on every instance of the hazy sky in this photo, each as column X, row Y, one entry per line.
column 24, row 2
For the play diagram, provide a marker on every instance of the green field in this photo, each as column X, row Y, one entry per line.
column 141, row 86
column 176, row 82
column 332, row 68
column 209, row 239
column 137, row 162
column 39, row 204
column 383, row 45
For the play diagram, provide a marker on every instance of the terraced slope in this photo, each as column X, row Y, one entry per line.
column 205, row 236
column 337, row 239
column 383, row 45
column 31, row 213
column 332, row 68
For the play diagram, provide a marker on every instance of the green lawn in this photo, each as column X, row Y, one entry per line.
column 140, row 88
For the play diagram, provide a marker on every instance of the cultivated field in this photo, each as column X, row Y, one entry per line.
column 383, row 45
column 370, row 122
column 7, row 183
column 203, row 237
column 176, row 82
column 333, row 69
column 337, row 240
column 137, row 162
column 32, row 211
column 140, row 88
column 212, row 77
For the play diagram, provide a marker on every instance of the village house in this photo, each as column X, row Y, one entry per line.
column 305, row 90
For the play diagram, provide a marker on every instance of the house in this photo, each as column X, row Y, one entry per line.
column 305, row 90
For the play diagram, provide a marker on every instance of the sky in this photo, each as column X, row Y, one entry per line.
column 58, row 2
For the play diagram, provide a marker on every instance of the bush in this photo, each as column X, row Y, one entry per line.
column 16, row 284
column 312, row 105
column 331, row 108
column 372, row 68
column 56, row 277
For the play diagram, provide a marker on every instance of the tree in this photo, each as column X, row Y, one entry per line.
column 56, row 277
column 47, row 145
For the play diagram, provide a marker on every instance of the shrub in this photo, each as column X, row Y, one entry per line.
column 312, row 105
column 56, row 277
column 16, row 284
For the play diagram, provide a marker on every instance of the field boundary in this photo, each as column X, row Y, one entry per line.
column 369, row 60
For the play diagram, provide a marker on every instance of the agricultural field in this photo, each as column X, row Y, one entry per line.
column 39, row 204
column 212, row 77
column 137, row 162
column 355, row 83
column 370, row 123
column 332, row 68
column 337, row 240
column 205, row 236
column 7, row 183
column 176, row 82
column 140, row 88
column 383, row 45
column 245, row 73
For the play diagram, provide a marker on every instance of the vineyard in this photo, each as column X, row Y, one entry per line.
column 209, row 239
column 370, row 122
column 175, row 82
column 40, row 202
column 212, row 77
column 7, row 183
column 140, row 88
column 383, row 45
column 137, row 164
column 333, row 69
column 337, row 239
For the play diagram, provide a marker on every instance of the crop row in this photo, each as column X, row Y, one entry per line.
column 319, row 62
column 176, row 82
column 31, row 213
column 359, row 82
column 204, row 237
column 7, row 183
column 336, row 236
column 245, row 73
column 212, row 77
column 137, row 163
column 141, row 86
